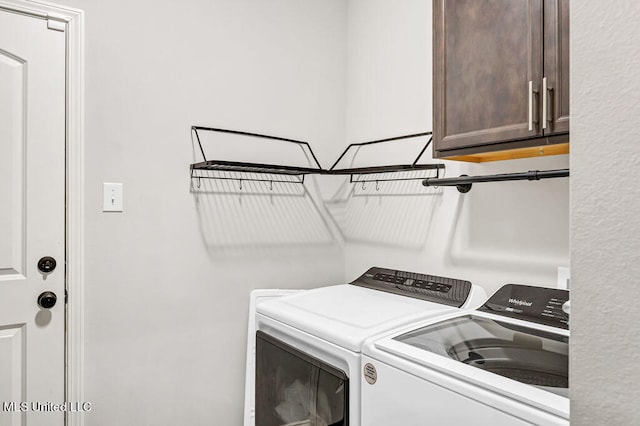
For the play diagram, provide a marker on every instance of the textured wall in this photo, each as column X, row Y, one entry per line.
column 605, row 201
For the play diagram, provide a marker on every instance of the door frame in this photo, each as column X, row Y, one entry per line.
column 74, row 214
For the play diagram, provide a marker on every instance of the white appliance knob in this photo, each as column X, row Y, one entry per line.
column 566, row 307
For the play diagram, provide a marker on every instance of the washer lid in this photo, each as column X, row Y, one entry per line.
column 436, row 350
column 346, row 315
column 524, row 354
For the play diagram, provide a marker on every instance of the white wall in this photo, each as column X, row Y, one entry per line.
column 168, row 281
column 605, row 200
column 511, row 232
column 167, row 288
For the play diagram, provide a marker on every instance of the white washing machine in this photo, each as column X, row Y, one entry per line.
column 505, row 363
column 308, row 345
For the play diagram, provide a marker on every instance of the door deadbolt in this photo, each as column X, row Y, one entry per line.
column 47, row 264
column 47, row 300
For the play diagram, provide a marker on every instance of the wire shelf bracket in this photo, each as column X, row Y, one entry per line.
column 258, row 172
column 363, row 174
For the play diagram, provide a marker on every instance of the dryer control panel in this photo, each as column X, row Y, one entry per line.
column 537, row 304
column 447, row 291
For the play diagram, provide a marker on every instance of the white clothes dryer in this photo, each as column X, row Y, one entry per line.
column 308, row 345
column 505, row 363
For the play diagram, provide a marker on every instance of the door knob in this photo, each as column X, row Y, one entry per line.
column 47, row 300
column 47, row 264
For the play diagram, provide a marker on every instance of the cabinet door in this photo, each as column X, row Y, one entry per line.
column 555, row 114
column 487, row 71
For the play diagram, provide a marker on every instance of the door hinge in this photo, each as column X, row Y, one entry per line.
column 66, row 296
column 56, row 24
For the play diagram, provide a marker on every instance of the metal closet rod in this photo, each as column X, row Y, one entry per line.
column 464, row 182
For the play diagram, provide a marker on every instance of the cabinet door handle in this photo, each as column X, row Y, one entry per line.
column 530, row 105
column 544, row 103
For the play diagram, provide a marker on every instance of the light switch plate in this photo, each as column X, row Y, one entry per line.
column 112, row 197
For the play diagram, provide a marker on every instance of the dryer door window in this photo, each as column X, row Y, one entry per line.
column 295, row 389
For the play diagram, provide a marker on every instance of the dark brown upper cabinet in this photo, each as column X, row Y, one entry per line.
column 500, row 78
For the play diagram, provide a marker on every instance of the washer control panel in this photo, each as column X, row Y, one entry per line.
column 429, row 282
column 444, row 290
column 542, row 305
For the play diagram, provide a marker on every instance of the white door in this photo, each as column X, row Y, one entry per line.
column 32, row 220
